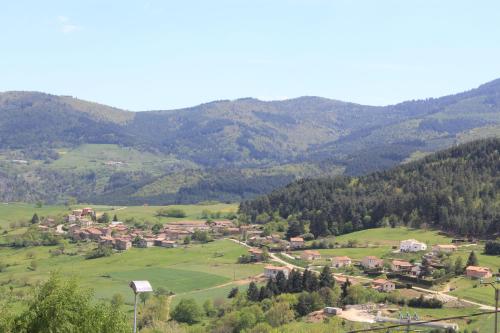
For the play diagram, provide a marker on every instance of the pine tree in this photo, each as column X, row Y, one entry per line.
column 233, row 293
column 472, row 261
column 115, row 218
column 35, row 219
column 326, row 278
column 281, row 282
column 345, row 288
column 253, row 292
column 294, row 283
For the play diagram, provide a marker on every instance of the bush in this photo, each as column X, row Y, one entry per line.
column 187, row 311
column 171, row 212
column 99, row 252
column 421, row 302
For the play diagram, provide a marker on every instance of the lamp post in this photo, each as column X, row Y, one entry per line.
column 497, row 295
column 139, row 287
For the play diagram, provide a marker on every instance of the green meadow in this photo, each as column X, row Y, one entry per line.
column 22, row 212
column 181, row 270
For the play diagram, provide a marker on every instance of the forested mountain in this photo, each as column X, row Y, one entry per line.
column 456, row 190
column 226, row 150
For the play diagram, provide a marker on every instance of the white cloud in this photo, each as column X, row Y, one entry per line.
column 66, row 26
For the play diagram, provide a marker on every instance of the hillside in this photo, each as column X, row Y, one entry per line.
column 456, row 190
column 53, row 147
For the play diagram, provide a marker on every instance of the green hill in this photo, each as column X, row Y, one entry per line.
column 52, row 147
column 456, row 190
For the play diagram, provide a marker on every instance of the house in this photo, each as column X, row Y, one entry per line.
column 255, row 254
column 122, row 244
column 87, row 211
column 371, row 262
column 445, row 248
column 71, row 218
column 94, row 233
column 271, row 271
column 412, row 245
column 296, row 242
column 383, row 285
column 106, row 240
column 168, row 243
column 77, row 212
column 401, row 266
column 330, row 310
column 341, row 261
column 85, row 223
column 416, row 270
column 310, row 255
column 477, row 272
column 146, row 242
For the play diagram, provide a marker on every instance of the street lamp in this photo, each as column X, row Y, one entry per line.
column 139, row 287
column 497, row 295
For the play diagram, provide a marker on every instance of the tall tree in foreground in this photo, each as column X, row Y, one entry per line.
column 326, row 278
column 61, row 305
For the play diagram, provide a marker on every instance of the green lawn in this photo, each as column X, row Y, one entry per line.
column 180, row 270
column 22, row 212
column 392, row 236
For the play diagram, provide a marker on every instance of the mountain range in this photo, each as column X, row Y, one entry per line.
column 56, row 147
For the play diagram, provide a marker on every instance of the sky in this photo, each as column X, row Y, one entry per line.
column 144, row 55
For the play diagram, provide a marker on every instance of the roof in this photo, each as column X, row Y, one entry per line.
column 296, row 239
column 94, row 231
column 380, row 281
column 371, row 258
column 277, row 268
column 313, row 252
column 341, row 258
column 401, row 263
column 478, row 269
column 255, row 251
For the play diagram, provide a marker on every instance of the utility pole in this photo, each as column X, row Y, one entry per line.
column 497, row 296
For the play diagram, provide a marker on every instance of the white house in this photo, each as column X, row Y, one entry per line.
column 412, row 245
column 271, row 271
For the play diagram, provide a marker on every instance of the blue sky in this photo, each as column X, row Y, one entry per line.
column 141, row 55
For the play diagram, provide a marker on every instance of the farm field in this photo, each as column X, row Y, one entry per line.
column 392, row 236
column 22, row 212
column 180, row 270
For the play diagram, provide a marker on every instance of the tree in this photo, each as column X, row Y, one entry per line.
column 459, row 266
column 472, row 260
column 61, row 305
column 187, row 240
column 308, row 302
column 156, row 228
column 279, row 314
column 144, row 297
column 281, row 282
column 117, row 300
column 326, row 277
column 294, row 283
column 115, row 218
column 309, row 281
column 209, row 309
column 104, row 218
column 186, row 311
column 233, row 293
column 35, row 219
column 345, row 288
column 295, row 228
column 253, row 292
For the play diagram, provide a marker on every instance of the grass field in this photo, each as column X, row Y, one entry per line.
column 22, row 212
column 180, row 270
column 392, row 236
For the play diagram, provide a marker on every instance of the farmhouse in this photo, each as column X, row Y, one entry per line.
column 256, row 254
column 446, row 248
column 106, row 240
column 412, row 245
column 341, row 261
column 168, row 243
column 383, row 285
column 371, row 262
column 122, row 244
column 146, row 242
column 310, row 255
column 401, row 266
column 271, row 271
column 477, row 272
column 296, row 242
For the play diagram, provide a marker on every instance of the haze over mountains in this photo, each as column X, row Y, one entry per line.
column 55, row 147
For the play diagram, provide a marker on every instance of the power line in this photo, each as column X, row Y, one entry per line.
column 420, row 322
